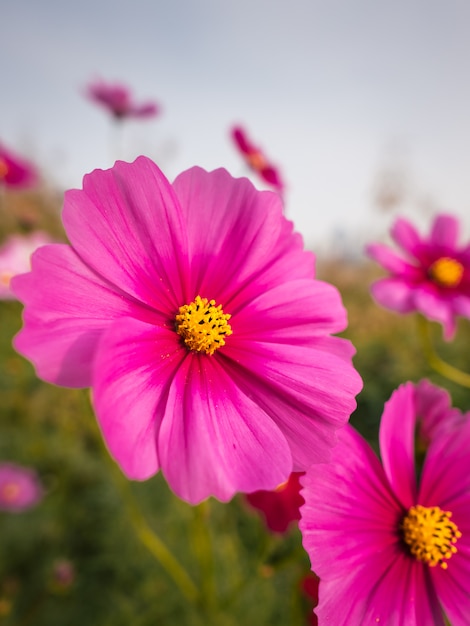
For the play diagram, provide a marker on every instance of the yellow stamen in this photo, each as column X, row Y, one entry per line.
column 257, row 161
column 3, row 168
column 430, row 534
column 5, row 278
column 9, row 492
column 446, row 272
column 203, row 325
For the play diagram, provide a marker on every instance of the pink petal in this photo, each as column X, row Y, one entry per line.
column 293, row 312
column 388, row 259
column 134, row 367
column 396, row 438
column 452, row 587
column 436, row 307
column 406, row 236
column 215, row 440
column 444, row 232
column 242, row 242
column 126, row 224
column 394, row 293
column 298, row 388
column 67, row 308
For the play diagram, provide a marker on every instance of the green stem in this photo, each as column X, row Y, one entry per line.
column 202, row 546
column 445, row 369
column 143, row 531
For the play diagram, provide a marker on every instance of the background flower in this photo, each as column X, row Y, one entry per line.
column 432, row 275
column 117, row 99
column 20, row 488
column 232, row 404
column 15, row 171
column 256, row 159
column 15, row 258
column 360, row 524
column 279, row 507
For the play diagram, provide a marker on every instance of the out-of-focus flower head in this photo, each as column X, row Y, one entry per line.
column 431, row 275
column 16, row 172
column 257, row 160
column 15, row 258
column 117, row 99
column 391, row 544
column 20, row 488
column 192, row 311
column 309, row 587
column 280, row 508
column 63, row 575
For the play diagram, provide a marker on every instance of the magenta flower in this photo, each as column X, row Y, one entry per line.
column 20, row 488
column 15, row 171
column 117, row 99
column 432, row 276
column 257, row 160
column 192, row 311
column 279, row 508
column 390, row 548
column 15, row 258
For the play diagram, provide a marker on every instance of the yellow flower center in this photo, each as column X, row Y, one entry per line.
column 430, row 534
column 3, row 168
column 257, row 161
column 5, row 278
column 446, row 272
column 203, row 325
column 10, row 492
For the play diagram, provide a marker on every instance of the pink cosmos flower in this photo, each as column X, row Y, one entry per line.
column 117, row 99
column 256, row 159
column 20, row 488
column 432, row 275
column 279, row 507
column 390, row 548
column 15, row 258
column 192, row 311
column 15, row 171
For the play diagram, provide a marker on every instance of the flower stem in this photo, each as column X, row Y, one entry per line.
column 142, row 529
column 445, row 369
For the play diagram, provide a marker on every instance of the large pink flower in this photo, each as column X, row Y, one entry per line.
column 20, row 488
column 117, row 99
column 432, row 276
column 15, row 171
column 390, row 548
column 192, row 311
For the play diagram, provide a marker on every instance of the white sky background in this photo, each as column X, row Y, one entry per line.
column 336, row 92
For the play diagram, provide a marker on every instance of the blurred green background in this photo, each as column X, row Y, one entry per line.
column 87, row 521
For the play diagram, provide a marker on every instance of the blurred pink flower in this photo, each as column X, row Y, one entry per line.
column 389, row 547
column 15, row 258
column 20, row 488
column 279, row 507
column 15, row 171
column 257, row 160
column 117, row 99
column 431, row 276
column 192, row 311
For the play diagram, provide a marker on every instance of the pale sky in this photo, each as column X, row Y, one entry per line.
column 336, row 92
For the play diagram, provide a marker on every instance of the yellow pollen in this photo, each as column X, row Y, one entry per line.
column 430, row 534
column 257, row 161
column 10, row 492
column 203, row 325
column 446, row 272
column 3, row 168
column 5, row 278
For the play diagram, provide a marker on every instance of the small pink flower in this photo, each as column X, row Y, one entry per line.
column 257, row 160
column 432, row 276
column 117, row 99
column 192, row 311
column 391, row 544
column 20, row 488
column 279, row 507
column 15, row 171
column 15, row 258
